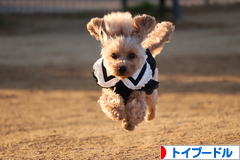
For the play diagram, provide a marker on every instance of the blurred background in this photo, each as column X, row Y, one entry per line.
column 53, row 33
column 48, row 98
column 70, row 6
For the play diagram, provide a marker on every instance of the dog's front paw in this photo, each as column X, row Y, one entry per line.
column 126, row 125
column 117, row 114
column 150, row 116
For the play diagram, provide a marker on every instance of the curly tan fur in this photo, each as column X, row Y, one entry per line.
column 135, row 110
column 112, row 104
column 143, row 25
column 160, row 35
column 123, row 35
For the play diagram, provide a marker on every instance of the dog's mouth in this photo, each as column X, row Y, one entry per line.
column 122, row 72
column 122, row 75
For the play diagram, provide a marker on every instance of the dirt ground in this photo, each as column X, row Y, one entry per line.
column 48, row 98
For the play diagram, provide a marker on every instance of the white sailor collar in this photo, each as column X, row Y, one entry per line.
column 137, row 81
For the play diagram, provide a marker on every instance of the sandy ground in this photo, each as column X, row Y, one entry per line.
column 48, row 98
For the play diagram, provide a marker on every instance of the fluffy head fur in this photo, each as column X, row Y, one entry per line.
column 122, row 35
column 121, row 23
column 128, row 53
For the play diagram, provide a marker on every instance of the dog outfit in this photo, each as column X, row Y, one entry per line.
column 140, row 81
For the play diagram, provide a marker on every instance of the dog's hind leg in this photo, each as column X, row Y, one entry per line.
column 112, row 104
column 151, row 101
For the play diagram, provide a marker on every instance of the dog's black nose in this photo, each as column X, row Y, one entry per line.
column 122, row 69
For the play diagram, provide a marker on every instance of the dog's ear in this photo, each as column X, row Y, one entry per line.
column 158, row 37
column 96, row 28
column 143, row 25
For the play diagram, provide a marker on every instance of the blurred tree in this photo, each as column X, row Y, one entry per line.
column 124, row 5
column 162, row 4
column 162, row 7
column 176, row 11
column 206, row 2
column 145, row 7
column 2, row 20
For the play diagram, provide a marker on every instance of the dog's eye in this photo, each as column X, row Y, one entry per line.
column 132, row 55
column 114, row 56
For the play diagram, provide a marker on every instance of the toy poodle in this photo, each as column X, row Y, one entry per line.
column 127, row 69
